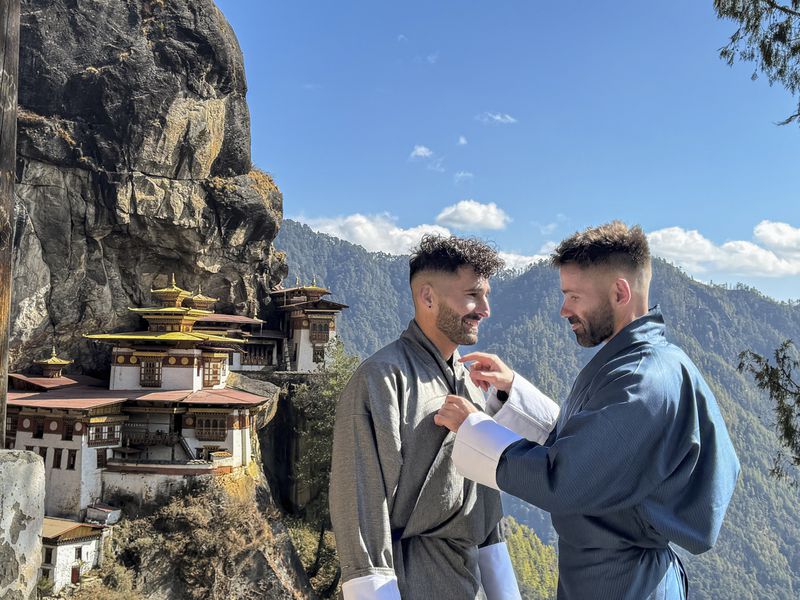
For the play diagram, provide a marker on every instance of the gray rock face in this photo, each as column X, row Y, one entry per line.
column 21, row 519
column 133, row 162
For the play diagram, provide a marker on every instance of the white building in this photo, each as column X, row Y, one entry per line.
column 69, row 550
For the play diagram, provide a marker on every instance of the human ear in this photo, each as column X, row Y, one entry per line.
column 427, row 295
column 622, row 291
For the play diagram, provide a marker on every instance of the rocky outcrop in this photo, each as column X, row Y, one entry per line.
column 21, row 518
column 133, row 163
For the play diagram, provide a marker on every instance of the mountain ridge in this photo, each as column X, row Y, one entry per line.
column 756, row 555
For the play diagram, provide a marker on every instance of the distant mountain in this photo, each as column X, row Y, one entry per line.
column 757, row 555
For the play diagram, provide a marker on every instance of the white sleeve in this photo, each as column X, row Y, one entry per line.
column 371, row 587
column 480, row 442
column 528, row 411
column 497, row 573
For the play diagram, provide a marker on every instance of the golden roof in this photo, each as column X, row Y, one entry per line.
column 171, row 288
column 163, row 336
column 199, row 296
column 53, row 360
column 175, row 310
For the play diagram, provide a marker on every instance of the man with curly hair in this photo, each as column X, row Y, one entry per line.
column 406, row 523
column 639, row 457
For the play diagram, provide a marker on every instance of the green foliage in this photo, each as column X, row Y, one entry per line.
column 44, row 588
column 535, row 563
column 757, row 555
column 194, row 545
column 316, row 402
column 767, row 35
column 325, row 577
column 780, row 382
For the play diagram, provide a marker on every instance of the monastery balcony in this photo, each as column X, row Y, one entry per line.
column 115, row 441
column 140, row 435
column 162, row 467
column 206, row 434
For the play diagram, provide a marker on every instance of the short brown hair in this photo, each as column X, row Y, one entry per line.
column 447, row 254
column 612, row 245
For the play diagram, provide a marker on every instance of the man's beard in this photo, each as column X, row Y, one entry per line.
column 596, row 328
column 454, row 327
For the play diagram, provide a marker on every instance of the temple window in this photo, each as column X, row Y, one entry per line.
column 212, row 371
column 150, row 375
column 11, row 424
column 211, row 428
column 319, row 354
column 57, row 458
column 38, row 428
column 101, row 459
column 320, row 332
column 67, row 431
column 72, row 455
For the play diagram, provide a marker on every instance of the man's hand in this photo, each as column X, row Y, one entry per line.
column 454, row 412
column 488, row 370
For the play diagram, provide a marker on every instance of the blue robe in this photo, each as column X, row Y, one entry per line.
column 639, row 458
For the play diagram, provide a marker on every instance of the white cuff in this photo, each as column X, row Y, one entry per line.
column 497, row 573
column 479, row 444
column 528, row 411
column 371, row 587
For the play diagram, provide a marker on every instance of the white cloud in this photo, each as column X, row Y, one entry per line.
column 376, row 233
column 699, row 255
column 781, row 237
column 490, row 117
column 433, row 161
column 462, row 141
column 469, row 215
column 436, row 163
column 432, row 58
column 549, row 228
column 518, row 262
column 463, row 176
column 402, row 38
column 421, row 152
column 548, row 248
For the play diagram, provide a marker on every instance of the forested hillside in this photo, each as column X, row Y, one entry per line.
column 757, row 555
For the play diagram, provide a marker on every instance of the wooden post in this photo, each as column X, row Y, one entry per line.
column 9, row 65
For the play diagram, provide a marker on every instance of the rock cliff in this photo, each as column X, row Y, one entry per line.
column 133, row 162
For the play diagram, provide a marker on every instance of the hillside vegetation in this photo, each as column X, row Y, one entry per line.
column 757, row 555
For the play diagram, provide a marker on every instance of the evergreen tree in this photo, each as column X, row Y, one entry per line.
column 535, row 563
column 316, row 402
column 768, row 35
column 779, row 380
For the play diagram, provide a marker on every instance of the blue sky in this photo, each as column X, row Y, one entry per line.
column 522, row 122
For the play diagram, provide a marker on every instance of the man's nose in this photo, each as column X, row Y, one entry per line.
column 565, row 312
column 483, row 308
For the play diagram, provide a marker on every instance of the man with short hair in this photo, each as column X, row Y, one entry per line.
column 406, row 523
column 639, row 457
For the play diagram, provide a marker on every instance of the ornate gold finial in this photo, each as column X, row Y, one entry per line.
column 173, row 280
column 199, row 290
column 297, row 280
column 314, row 280
column 53, row 354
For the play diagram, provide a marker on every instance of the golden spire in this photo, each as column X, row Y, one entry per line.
column 297, row 280
column 314, row 280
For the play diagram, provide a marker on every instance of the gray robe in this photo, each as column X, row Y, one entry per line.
column 398, row 505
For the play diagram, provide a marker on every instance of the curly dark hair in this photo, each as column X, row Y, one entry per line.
column 447, row 254
column 613, row 244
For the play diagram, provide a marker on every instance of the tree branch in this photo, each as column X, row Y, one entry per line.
column 781, row 8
